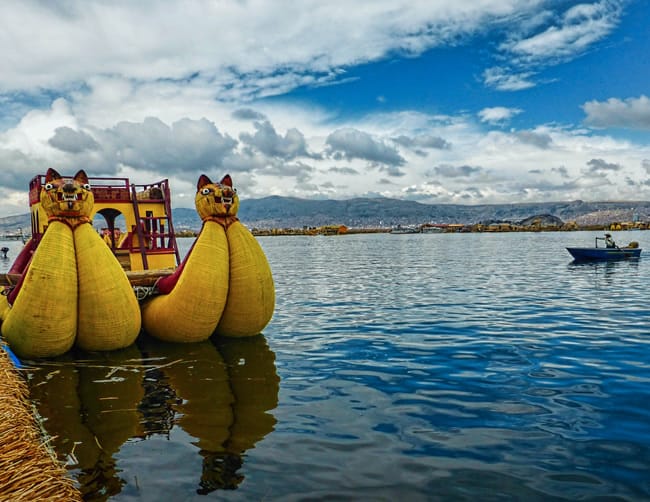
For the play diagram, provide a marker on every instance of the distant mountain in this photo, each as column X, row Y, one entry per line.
column 15, row 223
column 283, row 212
column 292, row 212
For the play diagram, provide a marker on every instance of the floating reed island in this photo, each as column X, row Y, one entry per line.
column 29, row 470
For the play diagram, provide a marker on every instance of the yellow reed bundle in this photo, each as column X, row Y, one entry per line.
column 251, row 294
column 4, row 307
column 190, row 312
column 28, row 469
column 109, row 313
column 42, row 321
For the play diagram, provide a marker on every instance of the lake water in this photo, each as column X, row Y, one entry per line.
column 396, row 367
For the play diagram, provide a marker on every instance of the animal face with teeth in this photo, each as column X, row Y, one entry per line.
column 216, row 199
column 67, row 197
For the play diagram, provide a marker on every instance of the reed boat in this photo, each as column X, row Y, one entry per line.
column 147, row 250
column 70, row 286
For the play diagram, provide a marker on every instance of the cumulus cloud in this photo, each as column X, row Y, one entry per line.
column 422, row 141
column 270, row 143
column 248, row 114
column 456, row 171
column 562, row 171
column 186, row 145
column 393, row 171
column 540, row 140
column 17, row 169
column 68, row 140
column 631, row 113
column 298, row 170
column 343, row 170
column 354, row 144
column 599, row 166
column 498, row 114
column 645, row 164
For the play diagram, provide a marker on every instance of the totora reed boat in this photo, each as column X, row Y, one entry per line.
column 69, row 286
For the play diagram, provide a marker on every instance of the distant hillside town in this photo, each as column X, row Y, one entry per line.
column 277, row 212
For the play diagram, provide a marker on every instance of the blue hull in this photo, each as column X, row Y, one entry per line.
column 584, row 254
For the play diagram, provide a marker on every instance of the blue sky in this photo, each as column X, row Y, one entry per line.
column 470, row 102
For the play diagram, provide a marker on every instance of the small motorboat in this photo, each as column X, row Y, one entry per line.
column 612, row 252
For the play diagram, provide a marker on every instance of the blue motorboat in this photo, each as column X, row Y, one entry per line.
column 608, row 252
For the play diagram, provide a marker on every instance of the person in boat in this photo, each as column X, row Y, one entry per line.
column 609, row 242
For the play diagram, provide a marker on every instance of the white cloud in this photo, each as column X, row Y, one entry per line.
column 478, row 166
column 548, row 39
column 506, row 79
column 631, row 113
column 581, row 26
column 498, row 114
column 351, row 143
column 237, row 48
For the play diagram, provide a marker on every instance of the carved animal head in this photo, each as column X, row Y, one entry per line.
column 67, row 197
column 218, row 200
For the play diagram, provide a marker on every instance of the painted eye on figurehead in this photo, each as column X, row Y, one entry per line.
column 86, row 186
column 205, row 191
column 49, row 186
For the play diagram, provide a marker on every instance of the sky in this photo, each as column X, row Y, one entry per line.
column 464, row 102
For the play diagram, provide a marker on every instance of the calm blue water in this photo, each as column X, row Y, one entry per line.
column 412, row 367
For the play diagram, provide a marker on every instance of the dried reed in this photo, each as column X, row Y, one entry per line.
column 29, row 469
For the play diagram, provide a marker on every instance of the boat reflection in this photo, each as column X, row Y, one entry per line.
column 220, row 393
column 608, row 267
column 89, row 405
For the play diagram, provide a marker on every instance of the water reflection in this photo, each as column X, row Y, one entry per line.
column 219, row 393
column 609, row 266
column 90, row 406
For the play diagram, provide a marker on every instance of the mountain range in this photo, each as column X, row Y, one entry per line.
column 291, row 212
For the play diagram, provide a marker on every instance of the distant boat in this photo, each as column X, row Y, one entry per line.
column 632, row 250
column 405, row 229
